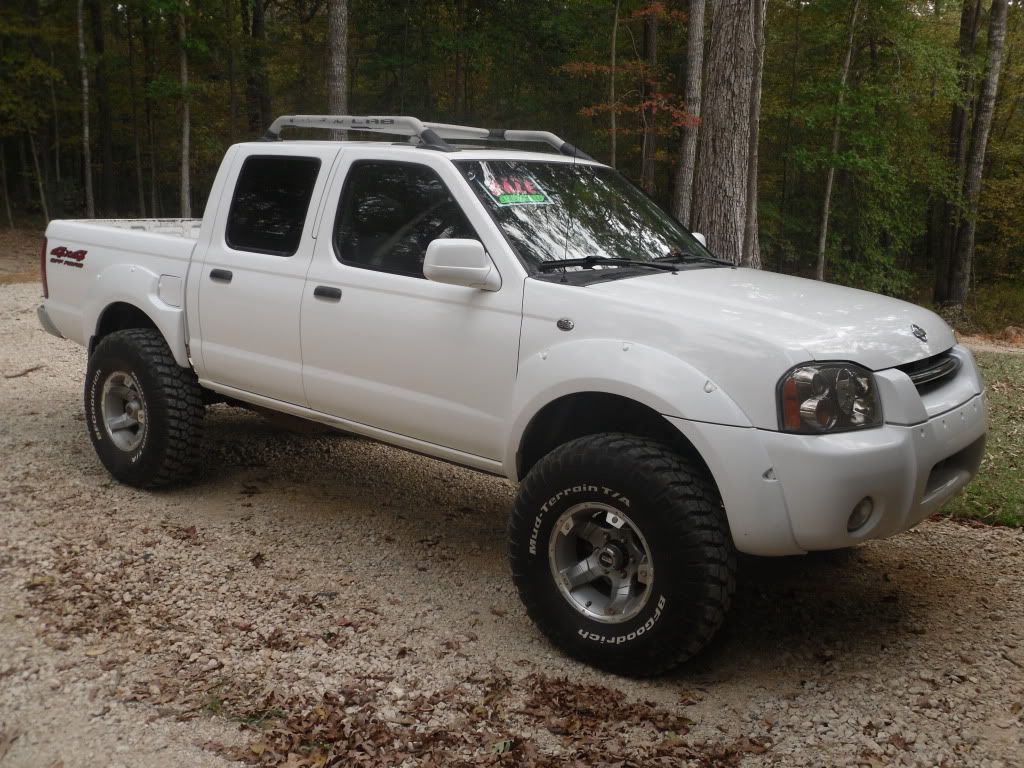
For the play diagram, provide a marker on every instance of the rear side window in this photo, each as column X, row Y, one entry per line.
column 390, row 212
column 270, row 203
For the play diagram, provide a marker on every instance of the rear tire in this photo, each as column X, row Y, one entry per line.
column 621, row 553
column 144, row 411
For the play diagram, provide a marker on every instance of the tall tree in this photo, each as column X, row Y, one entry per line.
column 337, row 57
column 186, row 117
column 683, row 191
column 946, row 220
column 723, row 155
column 612, row 104
column 103, row 107
column 83, row 65
column 826, row 205
column 140, row 187
column 750, row 256
column 964, row 256
column 257, row 86
column 648, row 93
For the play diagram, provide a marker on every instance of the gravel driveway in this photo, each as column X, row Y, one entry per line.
column 319, row 598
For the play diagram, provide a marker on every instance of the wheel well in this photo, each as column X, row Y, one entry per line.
column 119, row 316
column 587, row 413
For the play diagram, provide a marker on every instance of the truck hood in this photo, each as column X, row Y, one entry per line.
column 826, row 321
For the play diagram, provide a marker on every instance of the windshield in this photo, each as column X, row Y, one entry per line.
column 554, row 211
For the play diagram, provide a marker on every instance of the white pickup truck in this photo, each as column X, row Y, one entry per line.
column 535, row 316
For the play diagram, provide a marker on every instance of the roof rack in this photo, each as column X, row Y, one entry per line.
column 429, row 135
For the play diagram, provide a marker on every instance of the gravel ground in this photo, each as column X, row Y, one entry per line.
column 321, row 598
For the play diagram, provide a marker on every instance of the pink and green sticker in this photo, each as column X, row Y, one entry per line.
column 514, row 189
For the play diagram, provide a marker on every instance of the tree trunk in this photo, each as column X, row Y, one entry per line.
column 337, row 59
column 787, row 143
column 103, row 109
column 39, row 178
column 964, row 257
column 90, row 203
column 720, row 185
column 751, row 254
column 612, row 106
column 257, row 83
column 136, row 128
column 648, row 90
column 683, row 196
column 3, row 185
column 460, row 59
column 826, row 205
column 948, row 217
column 148, row 56
column 229, row 20
column 186, row 122
column 56, row 121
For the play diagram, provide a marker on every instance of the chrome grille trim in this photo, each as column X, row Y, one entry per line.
column 931, row 369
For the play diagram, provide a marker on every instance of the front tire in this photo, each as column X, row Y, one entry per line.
column 144, row 412
column 621, row 553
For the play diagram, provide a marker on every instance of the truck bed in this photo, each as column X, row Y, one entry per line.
column 93, row 263
column 187, row 228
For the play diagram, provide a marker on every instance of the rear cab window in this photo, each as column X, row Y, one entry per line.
column 270, row 204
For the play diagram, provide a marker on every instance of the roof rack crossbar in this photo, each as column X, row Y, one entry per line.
column 429, row 135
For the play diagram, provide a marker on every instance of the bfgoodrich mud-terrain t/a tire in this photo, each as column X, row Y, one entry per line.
column 622, row 554
column 144, row 411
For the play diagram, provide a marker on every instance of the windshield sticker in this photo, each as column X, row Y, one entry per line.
column 513, row 188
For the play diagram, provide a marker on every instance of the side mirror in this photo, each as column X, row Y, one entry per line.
column 700, row 238
column 457, row 261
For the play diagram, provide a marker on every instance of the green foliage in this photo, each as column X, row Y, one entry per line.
column 540, row 63
column 997, row 494
column 995, row 306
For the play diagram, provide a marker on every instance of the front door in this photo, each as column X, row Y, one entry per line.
column 385, row 347
column 252, row 278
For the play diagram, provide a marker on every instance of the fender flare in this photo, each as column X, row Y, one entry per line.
column 139, row 287
column 649, row 376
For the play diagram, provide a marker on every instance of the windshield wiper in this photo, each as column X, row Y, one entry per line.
column 674, row 256
column 595, row 261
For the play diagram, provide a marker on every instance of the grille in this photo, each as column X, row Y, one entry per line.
column 932, row 370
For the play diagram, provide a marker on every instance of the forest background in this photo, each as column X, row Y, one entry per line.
column 876, row 143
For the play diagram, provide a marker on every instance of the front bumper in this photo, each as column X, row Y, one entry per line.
column 909, row 473
column 46, row 322
column 787, row 494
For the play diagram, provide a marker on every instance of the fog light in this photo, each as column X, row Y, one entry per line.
column 861, row 514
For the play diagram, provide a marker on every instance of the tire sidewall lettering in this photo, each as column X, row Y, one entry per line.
column 588, row 630
column 112, row 456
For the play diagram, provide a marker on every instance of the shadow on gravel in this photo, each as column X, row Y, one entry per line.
column 846, row 605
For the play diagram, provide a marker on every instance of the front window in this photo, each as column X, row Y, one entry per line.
column 550, row 211
column 390, row 212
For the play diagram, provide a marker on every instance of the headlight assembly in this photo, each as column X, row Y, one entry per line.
column 828, row 397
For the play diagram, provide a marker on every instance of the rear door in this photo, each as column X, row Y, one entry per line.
column 252, row 277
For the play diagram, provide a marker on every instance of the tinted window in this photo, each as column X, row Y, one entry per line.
column 270, row 203
column 390, row 212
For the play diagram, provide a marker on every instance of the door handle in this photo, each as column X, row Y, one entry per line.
column 326, row 292
column 221, row 275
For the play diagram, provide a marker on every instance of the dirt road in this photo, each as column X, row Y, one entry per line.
column 319, row 593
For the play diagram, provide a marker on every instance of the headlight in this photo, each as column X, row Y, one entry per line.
column 828, row 397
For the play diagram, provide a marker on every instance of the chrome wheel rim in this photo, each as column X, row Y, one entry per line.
column 601, row 562
column 123, row 410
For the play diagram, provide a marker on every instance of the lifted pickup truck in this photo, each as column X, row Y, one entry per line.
column 531, row 315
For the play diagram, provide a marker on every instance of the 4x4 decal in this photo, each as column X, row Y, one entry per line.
column 67, row 257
